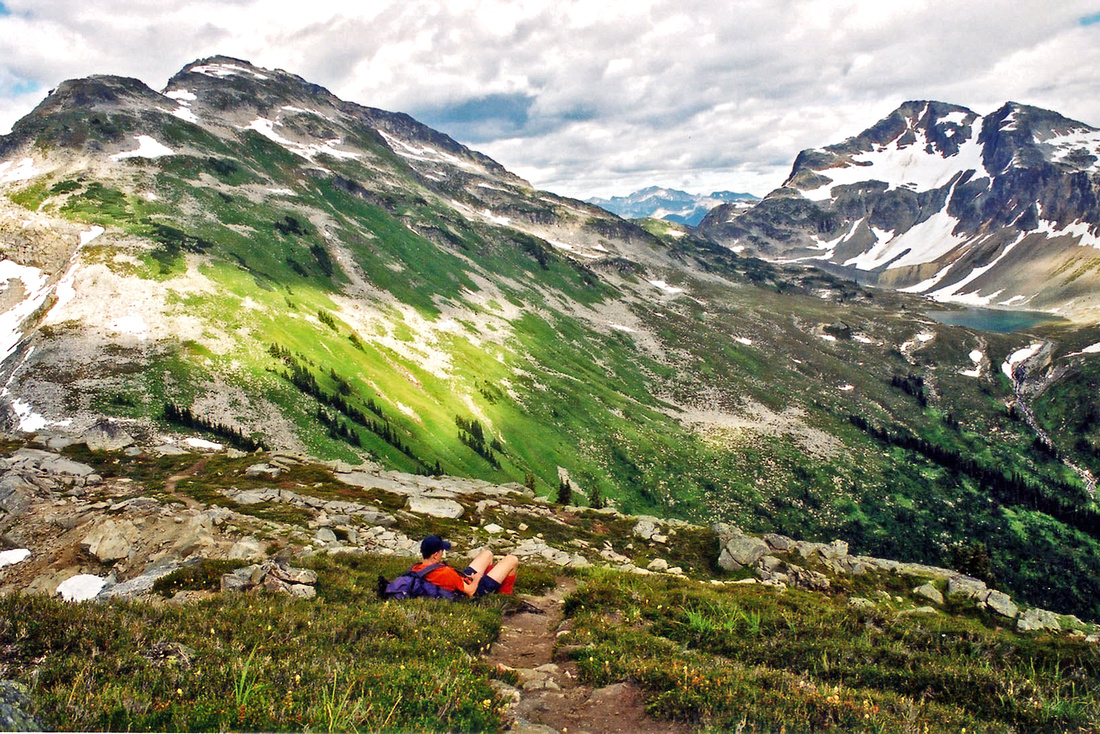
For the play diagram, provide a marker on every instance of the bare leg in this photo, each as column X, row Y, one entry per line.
column 482, row 561
column 504, row 567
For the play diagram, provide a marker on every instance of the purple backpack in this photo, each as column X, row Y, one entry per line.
column 413, row 584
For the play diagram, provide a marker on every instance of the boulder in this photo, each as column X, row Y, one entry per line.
column 246, row 549
column 646, row 527
column 929, row 592
column 110, row 541
column 858, row 602
column 15, row 706
column 106, row 436
column 780, row 543
column 967, row 587
column 1038, row 619
column 293, row 575
column 742, row 551
column 1000, row 603
column 325, row 535
column 138, row 585
column 263, row 470
column 434, row 506
column 658, row 565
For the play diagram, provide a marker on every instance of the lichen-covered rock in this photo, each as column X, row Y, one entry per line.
column 434, row 507
column 929, row 592
column 739, row 552
column 110, row 541
column 1000, row 603
column 965, row 586
column 15, row 706
column 1038, row 619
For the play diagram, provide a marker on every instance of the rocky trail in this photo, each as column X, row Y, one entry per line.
column 549, row 699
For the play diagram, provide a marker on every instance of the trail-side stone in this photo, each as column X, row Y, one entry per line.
column 1000, row 603
column 15, row 706
column 302, row 591
column 966, row 586
column 138, row 585
column 111, row 540
column 434, row 506
column 325, row 535
column 780, row 543
column 739, row 552
column 929, row 592
column 106, row 436
column 293, row 575
column 493, row 529
column 646, row 527
column 246, row 549
column 1038, row 619
column 658, row 564
column 266, row 471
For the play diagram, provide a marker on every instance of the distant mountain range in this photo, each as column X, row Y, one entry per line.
column 671, row 205
column 997, row 210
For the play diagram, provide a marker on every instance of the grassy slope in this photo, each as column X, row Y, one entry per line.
column 714, row 656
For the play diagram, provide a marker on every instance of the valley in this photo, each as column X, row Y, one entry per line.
column 246, row 257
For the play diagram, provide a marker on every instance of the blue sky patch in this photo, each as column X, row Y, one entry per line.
column 4, row 10
column 1091, row 19
column 482, row 118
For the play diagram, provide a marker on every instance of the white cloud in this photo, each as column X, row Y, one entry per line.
column 617, row 95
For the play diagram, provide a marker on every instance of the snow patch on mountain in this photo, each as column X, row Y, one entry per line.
column 221, row 71
column 35, row 290
column 147, row 148
column 916, row 165
column 266, row 127
column 1018, row 357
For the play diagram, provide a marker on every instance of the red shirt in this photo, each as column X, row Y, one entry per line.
column 444, row 577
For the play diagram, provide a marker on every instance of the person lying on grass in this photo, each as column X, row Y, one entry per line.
column 481, row 577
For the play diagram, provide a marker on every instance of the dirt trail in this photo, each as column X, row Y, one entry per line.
column 549, row 700
column 172, row 481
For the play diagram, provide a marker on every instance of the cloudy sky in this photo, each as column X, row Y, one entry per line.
column 593, row 97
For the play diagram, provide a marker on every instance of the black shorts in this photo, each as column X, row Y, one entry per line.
column 485, row 585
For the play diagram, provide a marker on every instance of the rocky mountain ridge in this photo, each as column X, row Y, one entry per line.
column 995, row 210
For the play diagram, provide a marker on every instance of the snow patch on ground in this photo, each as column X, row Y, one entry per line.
column 743, row 340
column 21, row 171
column 81, row 588
column 91, row 234
column 1018, row 357
column 926, row 242
column 147, row 148
column 11, row 557
column 133, row 324
column 863, row 339
column 671, row 290
column 185, row 114
column 182, row 96
column 29, row 421
column 828, row 337
column 200, row 443
column 627, row 329
column 847, row 388
column 35, row 292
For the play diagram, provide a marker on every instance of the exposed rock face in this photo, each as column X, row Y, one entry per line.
column 933, row 192
column 272, row 576
column 111, row 541
column 15, row 705
column 434, row 507
column 1038, row 619
column 929, row 592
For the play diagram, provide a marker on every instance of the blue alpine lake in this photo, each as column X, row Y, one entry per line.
column 993, row 319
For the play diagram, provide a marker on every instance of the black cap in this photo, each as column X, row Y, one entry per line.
column 432, row 545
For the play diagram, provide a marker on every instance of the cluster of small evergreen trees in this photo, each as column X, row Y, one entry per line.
column 303, row 378
column 911, row 385
column 1063, row 501
column 472, row 433
column 184, row 417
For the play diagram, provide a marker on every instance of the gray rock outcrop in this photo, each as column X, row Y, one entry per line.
column 15, row 707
